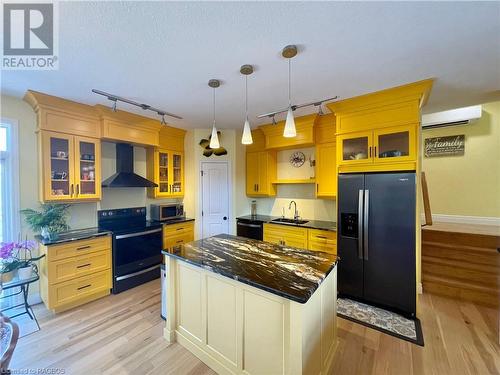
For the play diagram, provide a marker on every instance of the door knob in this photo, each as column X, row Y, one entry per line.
column 224, row 218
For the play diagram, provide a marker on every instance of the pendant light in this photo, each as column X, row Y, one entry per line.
column 246, row 138
column 289, row 132
column 214, row 139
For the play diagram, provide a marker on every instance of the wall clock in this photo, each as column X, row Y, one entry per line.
column 297, row 159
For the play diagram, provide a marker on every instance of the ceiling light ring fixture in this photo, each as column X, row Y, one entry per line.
column 214, row 138
column 246, row 137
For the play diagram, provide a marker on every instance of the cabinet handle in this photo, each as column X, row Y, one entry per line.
column 370, row 151
column 375, row 153
column 323, row 237
column 180, row 241
column 257, row 187
column 85, row 286
column 77, row 190
column 180, row 228
column 72, row 190
column 84, row 265
column 317, row 188
column 83, row 247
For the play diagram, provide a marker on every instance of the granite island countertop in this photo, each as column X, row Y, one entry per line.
column 313, row 224
column 73, row 235
column 288, row 272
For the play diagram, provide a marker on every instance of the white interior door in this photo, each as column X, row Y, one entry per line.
column 215, row 198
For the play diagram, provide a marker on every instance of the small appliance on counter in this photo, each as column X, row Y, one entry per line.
column 254, row 208
column 137, row 245
column 165, row 212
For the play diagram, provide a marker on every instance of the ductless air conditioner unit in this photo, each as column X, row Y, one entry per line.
column 459, row 116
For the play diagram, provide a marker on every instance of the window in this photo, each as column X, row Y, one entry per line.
column 9, row 181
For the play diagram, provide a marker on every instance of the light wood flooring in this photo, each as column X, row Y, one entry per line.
column 122, row 334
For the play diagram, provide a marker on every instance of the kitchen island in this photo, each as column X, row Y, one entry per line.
column 253, row 307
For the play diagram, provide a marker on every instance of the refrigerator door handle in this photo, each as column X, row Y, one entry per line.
column 360, row 224
column 365, row 221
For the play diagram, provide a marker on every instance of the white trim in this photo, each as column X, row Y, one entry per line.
column 229, row 196
column 420, row 289
column 483, row 220
column 15, row 171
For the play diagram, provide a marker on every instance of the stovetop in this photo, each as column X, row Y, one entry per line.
column 125, row 220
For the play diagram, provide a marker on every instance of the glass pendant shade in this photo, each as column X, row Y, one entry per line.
column 214, row 139
column 289, row 130
column 246, row 138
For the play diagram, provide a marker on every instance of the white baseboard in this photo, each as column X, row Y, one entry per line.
column 484, row 220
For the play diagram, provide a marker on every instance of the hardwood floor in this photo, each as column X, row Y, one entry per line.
column 122, row 334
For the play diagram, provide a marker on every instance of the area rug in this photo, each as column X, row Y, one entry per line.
column 382, row 320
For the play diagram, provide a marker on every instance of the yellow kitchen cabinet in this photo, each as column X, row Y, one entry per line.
column 302, row 238
column 177, row 234
column 76, row 272
column 260, row 173
column 70, row 167
column 322, row 240
column 285, row 235
column 384, row 149
column 326, row 170
column 166, row 169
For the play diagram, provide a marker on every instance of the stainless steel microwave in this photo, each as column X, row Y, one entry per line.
column 162, row 212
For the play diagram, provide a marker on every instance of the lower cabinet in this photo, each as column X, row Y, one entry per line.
column 177, row 234
column 303, row 238
column 76, row 272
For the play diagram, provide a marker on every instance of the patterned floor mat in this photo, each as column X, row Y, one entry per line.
column 381, row 320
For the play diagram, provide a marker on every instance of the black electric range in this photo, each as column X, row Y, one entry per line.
column 137, row 245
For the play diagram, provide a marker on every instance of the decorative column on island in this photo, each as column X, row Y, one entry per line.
column 248, row 306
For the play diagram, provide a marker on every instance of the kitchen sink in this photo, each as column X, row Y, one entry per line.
column 290, row 221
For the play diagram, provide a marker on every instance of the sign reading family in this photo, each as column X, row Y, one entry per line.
column 30, row 35
column 439, row 146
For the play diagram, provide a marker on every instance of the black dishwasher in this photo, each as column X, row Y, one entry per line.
column 249, row 228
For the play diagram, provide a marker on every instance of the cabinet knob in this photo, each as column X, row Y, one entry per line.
column 224, row 218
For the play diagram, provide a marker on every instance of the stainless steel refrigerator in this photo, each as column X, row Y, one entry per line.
column 376, row 239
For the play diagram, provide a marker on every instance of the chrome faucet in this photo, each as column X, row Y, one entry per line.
column 296, row 213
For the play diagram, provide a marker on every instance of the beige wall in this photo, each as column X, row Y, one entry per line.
column 309, row 207
column 467, row 185
column 194, row 157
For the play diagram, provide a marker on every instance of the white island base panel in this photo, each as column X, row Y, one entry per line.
column 237, row 329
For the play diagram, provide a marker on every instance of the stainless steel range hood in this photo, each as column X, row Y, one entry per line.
column 125, row 176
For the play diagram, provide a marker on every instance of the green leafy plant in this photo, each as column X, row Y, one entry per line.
column 51, row 216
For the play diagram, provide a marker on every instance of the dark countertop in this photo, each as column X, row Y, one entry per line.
column 314, row 224
column 73, row 235
column 288, row 272
column 176, row 221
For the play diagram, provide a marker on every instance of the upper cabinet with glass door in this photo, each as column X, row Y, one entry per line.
column 166, row 169
column 70, row 167
column 379, row 131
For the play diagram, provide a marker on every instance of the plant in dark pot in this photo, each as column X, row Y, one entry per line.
column 49, row 221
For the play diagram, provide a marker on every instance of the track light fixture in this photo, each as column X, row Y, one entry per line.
column 116, row 98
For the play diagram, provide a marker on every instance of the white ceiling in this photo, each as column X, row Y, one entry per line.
column 164, row 53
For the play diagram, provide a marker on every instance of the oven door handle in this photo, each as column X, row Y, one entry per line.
column 249, row 225
column 119, row 278
column 122, row 236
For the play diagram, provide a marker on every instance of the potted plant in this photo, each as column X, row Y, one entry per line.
column 49, row 221
column 8, row 262
column 26, row 261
